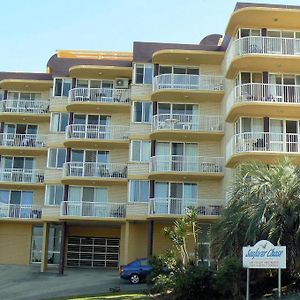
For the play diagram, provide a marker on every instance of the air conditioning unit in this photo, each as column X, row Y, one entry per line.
column 121, row 83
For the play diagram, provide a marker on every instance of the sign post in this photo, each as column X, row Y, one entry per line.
column 264, row 255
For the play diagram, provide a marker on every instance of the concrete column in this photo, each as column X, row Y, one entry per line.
column 126, row 243
column 44, row 262
column 150, row 238
column 63, row 240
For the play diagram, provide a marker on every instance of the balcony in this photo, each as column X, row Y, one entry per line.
column 262, row 146
column 18, row 144
column 178, row 167
column 85, row 173
column 95, row 136
column 193, row 88
column 260, row 53
column 162, row 207
column 187, row 127
column 92, row 210
column 253, row 99
column 31, row 178
column 24, row 110
column 106, row 100
column 17, row 211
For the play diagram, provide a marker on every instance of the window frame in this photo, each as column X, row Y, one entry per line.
column 144, row 72
column 140, row 151
column 62, row 86
column 58, row 125
column 22, row 192
column 143, row 112
column 47, row 194
column 130, row 188
column 56, row 156
column 81, row 194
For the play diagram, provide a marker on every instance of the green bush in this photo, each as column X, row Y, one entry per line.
column 194, row 282
column 164, row 267
column 229, row 278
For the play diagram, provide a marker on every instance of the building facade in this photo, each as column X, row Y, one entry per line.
column 116, row 145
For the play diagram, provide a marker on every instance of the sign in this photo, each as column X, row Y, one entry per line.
column 264, row 255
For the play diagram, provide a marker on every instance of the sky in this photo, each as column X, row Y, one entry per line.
column 32, row 30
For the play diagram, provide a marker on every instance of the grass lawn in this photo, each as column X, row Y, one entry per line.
column 118, row 296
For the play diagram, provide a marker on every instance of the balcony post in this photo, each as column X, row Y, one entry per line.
column 44, row 261
column 63, row 240
column 267, row 132
column 150, row 238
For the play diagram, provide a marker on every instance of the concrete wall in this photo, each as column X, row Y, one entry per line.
column 15, row 243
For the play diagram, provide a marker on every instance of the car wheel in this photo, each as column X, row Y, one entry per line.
column 134, row 278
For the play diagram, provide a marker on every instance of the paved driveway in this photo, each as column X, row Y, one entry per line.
column 26, row 282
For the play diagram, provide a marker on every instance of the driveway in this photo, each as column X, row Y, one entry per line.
column 27, row 283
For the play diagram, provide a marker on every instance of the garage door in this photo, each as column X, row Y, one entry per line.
column 93, row 252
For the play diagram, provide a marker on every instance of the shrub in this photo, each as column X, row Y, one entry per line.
column 229, row 278
column 194, row 282
column 164, row 267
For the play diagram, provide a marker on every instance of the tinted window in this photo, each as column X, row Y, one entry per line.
column 135, row 263
column 144, row 262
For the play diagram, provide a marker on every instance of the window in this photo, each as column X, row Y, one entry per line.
column 142, row 112
column 140, row 151
column 54, row 194
column 85, row 83
column 21, row 163
column 59, row 121
column 178, row 190
column 56, row 157
column 178, row 70
column 138, row 191
column 1, row 95
column 87, row 194
column 53, row 244
column 204, row 235
column 143, row 73
column 20, row 128
column 16, row 197
column 23, row 96
column 62, row 86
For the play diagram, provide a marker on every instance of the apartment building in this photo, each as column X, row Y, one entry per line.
column 105, row 149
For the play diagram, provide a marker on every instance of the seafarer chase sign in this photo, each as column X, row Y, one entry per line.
column 264, row 255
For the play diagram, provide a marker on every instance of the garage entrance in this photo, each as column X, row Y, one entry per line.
column 93, row 252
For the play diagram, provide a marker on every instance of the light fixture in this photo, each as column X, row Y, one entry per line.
column 187, row 58
column 186, row 96
column 275, row 20
column 100, row 73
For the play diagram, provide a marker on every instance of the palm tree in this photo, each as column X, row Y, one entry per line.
column 264, row 203
column 184, row 232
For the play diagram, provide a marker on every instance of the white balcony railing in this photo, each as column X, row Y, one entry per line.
column 23, row 140
column 22, row 175
column 104, row 95
column 20, row 211
column 187, row 122
column 261, row 92
column 179, row 206
column 188, row 82
column 101, row 132
column 262, row 45
column 180, row 163
column 92, row 169
column 93, row 209
column 263, row 141
column 25, row 106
